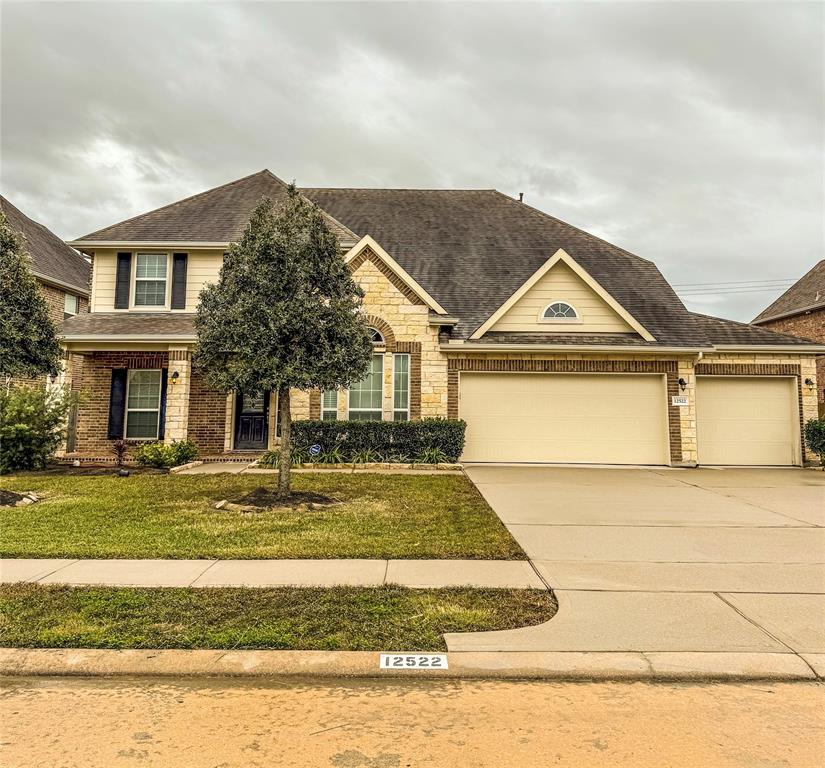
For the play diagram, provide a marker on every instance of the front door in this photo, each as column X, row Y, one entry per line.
column 252, row 421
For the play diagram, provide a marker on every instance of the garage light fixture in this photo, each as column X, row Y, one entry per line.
column 809, row 383
column 682, row 384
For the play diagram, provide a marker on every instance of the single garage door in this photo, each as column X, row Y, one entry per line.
column 564, row 418
column 747, row 420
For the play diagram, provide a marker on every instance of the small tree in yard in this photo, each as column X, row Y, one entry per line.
column 28, row 337
column 284, row 314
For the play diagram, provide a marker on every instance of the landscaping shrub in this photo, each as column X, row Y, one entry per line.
column 32, row 425
column 815, row 437
column 393, row 441
column 165, row 455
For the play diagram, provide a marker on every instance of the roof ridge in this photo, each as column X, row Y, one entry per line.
column 543, row 214
column 183, row 200
column 395, row 189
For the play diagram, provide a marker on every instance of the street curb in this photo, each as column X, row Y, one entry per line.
column 562, row 665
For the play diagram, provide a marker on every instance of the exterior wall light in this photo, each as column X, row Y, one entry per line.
column 682, row 384
column 175, row 377
column 809, row 383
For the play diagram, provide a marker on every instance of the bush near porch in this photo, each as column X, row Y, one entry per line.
column 174, row 516
column 386, row 441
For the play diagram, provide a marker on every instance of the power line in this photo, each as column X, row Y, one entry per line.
column 741, row 283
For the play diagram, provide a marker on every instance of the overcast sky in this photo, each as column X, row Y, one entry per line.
column 691, row 134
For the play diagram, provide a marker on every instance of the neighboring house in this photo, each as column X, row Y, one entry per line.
column 62, row 273
column 554, row 345
column 800, row 311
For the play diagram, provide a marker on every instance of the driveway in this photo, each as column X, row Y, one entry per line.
column 702, row 560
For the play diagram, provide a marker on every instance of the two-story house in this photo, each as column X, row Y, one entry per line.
column 62, row 274
column 553, row 345
column 800, row 311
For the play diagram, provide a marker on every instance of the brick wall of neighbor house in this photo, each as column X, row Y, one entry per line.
column 94, row 381
column 808, row 326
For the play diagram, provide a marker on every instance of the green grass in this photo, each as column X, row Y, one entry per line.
column 341, row 618
column 173, row 516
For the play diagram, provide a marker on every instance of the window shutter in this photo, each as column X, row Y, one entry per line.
column 117, row 404
column 179, row 280
column 162, row 414
column 122, row 280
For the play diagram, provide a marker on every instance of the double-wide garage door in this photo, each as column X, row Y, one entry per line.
column 564, row 418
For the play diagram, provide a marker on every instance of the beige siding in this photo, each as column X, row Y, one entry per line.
column 203, row 267
column 562, row 284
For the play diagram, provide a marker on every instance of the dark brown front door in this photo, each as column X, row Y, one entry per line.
column 252, row 421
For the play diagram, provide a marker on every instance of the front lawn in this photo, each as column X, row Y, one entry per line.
column 173, row 516
column 341, row 618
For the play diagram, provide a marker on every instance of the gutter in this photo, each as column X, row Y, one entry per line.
column 792, row 313
column 141, row 337
column 126, row 244
column 620, row 349
column 60, row 284
column 812, row 348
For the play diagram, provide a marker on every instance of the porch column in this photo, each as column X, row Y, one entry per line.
column 177, row 394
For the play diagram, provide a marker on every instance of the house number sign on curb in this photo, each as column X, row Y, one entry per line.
column 413, row 661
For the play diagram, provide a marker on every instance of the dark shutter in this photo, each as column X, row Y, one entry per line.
column 162, row 414
column 117, row 404
column 179, row 280
column 122, row 280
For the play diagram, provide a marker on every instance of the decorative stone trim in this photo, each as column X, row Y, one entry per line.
column 667, row 367
column 179, row 355
column 764, row 369
column 369, row 255
column 413, row 349
column 386, row 331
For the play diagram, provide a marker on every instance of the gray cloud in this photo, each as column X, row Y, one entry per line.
column 691, row 134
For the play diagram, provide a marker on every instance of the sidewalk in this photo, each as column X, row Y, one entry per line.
column 514, row 574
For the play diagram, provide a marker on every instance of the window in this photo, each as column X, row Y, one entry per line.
column 559, row 311
column 143, row 404
column 366, row 398
column 70, row 305
column 401, row 388
column 150, row 279
column 329, row 405
column 376, row 337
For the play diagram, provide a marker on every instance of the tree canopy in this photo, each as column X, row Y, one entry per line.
column 28, row 337
column 285, row 312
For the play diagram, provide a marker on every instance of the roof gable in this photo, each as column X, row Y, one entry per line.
column 217, row 217
column 51, row 259
column 805, row 294
column 538, row 291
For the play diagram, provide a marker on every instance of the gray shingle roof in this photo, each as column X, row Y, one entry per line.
column 472, row 249
column 51, row 258
column 730, row 332
column 805, row 294
column 218, row 215
column 130, row 324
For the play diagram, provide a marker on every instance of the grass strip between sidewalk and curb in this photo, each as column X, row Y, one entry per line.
column 174, row 517
column 336, row 618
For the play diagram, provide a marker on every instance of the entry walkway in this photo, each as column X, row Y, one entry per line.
column 514, row 574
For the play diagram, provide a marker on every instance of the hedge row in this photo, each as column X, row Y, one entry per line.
column 391, row 440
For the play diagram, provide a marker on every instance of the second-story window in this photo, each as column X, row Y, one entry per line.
column 150, row 279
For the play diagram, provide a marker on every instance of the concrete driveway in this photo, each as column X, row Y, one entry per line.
column 670, row 560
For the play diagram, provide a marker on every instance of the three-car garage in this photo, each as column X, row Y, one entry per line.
column 606, row 418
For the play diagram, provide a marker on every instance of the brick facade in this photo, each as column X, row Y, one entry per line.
column 207, row 415
column 810, row 325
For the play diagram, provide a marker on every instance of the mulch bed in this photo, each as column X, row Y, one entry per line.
column 265, row 498
column 9, row 498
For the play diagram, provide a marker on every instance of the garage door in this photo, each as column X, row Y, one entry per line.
column 564, row 418
column 747, row 420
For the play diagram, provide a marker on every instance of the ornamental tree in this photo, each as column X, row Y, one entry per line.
column 28, row 337
column 284, row 314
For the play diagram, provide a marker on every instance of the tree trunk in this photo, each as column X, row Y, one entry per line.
column 285, row 466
